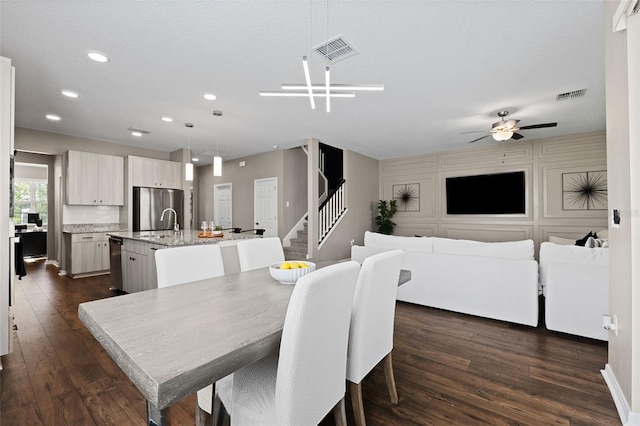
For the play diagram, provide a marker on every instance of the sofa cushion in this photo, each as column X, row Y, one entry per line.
column 422, row 244
column 556, row 253
column 562, row 241
column 523, row 250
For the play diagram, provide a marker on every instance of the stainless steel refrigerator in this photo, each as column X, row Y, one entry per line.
column 148, row 204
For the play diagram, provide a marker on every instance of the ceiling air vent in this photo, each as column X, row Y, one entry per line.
column 335, row 50
column 143, row 131
column 571, row 95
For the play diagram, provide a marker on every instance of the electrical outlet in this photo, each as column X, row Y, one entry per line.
column 353, row 241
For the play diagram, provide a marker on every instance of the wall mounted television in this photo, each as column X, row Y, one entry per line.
column 499, row 193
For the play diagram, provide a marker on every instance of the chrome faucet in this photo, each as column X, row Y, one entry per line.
column 176, row 226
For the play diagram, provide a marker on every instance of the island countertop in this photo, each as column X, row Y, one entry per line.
column 183, row 237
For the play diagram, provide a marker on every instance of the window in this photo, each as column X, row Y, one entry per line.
column 29, row 196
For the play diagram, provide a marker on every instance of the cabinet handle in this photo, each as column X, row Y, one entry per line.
column 87, row 238
column 154, row 248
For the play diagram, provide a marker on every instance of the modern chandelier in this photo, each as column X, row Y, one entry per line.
column 326, row 90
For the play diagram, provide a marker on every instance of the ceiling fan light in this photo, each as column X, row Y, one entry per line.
column 502, row 135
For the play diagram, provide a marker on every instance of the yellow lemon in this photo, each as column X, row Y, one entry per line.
column 285, row 265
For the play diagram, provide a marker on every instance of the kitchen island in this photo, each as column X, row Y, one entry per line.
column 138, row 253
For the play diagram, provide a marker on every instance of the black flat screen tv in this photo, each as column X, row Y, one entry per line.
column 500, row 193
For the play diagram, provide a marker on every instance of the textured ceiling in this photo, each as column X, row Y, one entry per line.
column 447, row 66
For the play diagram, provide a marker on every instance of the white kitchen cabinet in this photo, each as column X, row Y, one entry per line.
column 89, row 253
column 152, row 173
column 94, row 179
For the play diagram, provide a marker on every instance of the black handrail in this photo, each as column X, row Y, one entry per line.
column 331, row 193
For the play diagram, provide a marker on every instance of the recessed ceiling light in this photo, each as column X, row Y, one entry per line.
column 97, row 56
column 69, row 94
column 53, row 117
column 195, row 159
column 210, row 96
column 137, row 134
column 167, row 119
column 276, row 147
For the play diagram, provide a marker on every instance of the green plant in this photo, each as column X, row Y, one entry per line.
column 385, row 213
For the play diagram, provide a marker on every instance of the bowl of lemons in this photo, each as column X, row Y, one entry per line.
column 288, row 272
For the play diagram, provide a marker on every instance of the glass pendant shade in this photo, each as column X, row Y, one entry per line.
column 217, row 166
column 188, row 172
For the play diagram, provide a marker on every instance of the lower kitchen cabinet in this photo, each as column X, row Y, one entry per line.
column 139, row 266
column 89, row 253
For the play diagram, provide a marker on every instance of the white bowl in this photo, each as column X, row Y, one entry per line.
column 290, row 276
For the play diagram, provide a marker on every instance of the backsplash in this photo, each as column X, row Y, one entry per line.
column 72, row 215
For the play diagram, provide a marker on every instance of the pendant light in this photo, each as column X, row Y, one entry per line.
column 217, row 160
column 188, row 171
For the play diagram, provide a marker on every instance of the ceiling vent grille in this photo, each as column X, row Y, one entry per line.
column 571, row 95
column 143, row 131
column 335, row 50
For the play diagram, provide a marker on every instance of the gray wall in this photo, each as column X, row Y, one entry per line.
column 361, row 176
column 267, row 165
column 543, row 161
column 294, row 187
column 622, row 61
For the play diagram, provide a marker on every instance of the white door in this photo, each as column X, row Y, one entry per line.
column 222, row 200
column 265, row 205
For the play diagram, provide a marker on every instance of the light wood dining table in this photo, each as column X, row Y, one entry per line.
column 174, row 341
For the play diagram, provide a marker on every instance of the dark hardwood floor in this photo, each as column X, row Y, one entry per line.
column 450, row 369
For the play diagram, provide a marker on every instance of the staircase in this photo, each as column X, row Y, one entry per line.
column 298, row 248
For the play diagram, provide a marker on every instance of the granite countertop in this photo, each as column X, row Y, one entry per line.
column 185, row 237
column 84, row 228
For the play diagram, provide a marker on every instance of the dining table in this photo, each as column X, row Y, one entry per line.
column 172, row 342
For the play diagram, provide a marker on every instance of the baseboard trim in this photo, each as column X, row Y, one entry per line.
column 627, row 417
column 52, row 262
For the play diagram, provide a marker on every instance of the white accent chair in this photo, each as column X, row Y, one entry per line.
column 307, row 379
column 259, row 253
column 179, row 265
column 372, row 320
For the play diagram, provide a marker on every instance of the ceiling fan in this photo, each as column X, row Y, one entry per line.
column 506, row 129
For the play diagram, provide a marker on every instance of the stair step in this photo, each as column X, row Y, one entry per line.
column 290, row 254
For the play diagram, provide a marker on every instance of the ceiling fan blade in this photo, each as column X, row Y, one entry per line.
column 517, row 136
column 476, row 140
column 476, row 131
column 539, row 126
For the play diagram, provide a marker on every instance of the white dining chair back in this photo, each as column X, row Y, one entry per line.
column 372, row 320
column 179, row 265
column 307, row 379
column 259, row 253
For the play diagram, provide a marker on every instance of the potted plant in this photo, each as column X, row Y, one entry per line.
column 385, row 213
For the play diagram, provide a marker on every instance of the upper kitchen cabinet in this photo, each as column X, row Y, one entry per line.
column 154, row 173
column 94, row 179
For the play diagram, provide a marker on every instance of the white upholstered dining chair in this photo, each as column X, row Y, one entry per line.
column 307, row 379
column 372, row 320
column 259, row 253
column 179, row 265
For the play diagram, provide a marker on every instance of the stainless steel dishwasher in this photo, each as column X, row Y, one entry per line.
column 115, row 262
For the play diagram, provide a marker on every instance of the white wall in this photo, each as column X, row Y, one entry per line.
column 543, row 161
column 622, row 61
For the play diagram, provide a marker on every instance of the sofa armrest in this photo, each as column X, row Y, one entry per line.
column 360, row 253
column 576, row 297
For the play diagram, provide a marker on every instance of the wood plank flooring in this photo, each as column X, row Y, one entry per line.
column 450, row 369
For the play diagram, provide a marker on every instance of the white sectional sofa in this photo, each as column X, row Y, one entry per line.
column 575, row 283
column 492, row 280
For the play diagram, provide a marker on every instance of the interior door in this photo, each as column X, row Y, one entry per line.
column 265, row 205
column 222, row 201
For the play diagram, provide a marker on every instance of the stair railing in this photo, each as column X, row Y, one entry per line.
column 331, row 210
